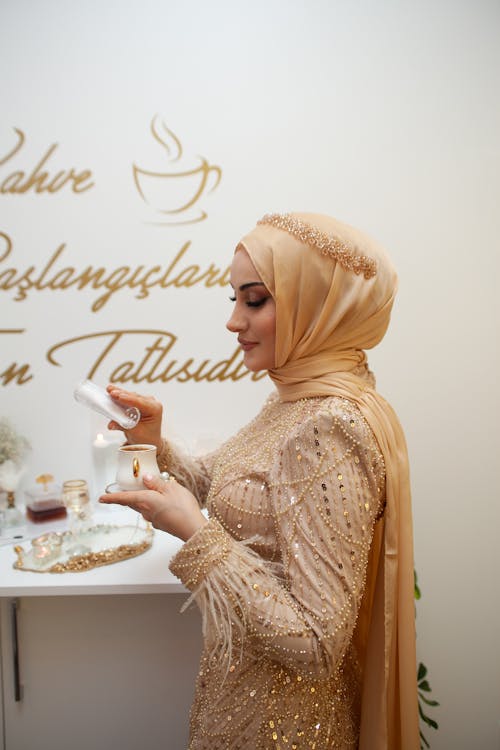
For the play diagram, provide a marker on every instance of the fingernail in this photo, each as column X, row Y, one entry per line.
column 148, row 477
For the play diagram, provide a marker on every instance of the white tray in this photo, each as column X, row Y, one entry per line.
column 105, row 544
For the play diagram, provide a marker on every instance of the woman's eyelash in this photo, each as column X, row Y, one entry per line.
column 249, row 303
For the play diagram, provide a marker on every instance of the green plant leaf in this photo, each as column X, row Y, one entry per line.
column 416, row 589
column 423, row 740
column 421, row 712
column 426, row 700
column 422, row 671
column 430, row 722
column 423, row 684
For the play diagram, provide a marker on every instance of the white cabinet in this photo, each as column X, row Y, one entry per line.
column 108, row 672
column 106, row 659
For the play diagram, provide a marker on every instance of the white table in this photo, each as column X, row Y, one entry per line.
column 105, row 658
column 145, row 574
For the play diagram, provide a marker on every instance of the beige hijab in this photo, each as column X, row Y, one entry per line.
column 334, row 288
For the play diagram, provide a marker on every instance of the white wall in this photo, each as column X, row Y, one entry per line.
column 384, row 114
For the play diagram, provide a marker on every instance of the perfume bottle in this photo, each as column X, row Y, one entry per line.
column 43, row 501
column 96, row 398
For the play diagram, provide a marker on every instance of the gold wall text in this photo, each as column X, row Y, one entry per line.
column 156, row 364
column 39, row 179
column 14, row 373
column 54, row 276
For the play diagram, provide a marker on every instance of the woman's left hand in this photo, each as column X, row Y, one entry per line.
column 167, row 505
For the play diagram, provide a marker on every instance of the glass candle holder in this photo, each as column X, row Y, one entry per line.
column 46, row 547
column 75, row 496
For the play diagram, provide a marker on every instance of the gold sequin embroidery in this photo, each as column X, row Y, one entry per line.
column 277, row 673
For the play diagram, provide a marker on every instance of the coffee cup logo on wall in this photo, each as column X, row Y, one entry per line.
column 175, row 190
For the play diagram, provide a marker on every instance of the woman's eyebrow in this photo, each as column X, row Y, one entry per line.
column 249, row 284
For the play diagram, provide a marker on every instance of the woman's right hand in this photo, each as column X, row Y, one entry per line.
column 148, row 429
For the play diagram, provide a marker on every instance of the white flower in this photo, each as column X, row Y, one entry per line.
column 10, row 474
column 13, row 447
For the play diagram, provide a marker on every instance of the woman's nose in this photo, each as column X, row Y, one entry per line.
column 236, row 323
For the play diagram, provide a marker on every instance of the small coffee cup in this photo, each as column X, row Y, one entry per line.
column 134, row 461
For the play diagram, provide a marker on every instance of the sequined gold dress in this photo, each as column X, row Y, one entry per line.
column 278, row 573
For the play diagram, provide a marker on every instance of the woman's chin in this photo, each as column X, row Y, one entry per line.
column 254, row 363
column 251, row 362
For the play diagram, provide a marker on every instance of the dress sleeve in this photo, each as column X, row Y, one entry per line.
column 326, row 488
column 194, row 473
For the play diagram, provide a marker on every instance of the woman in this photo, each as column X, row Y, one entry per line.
column 304, row 572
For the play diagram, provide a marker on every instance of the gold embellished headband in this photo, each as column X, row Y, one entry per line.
column 327, row 245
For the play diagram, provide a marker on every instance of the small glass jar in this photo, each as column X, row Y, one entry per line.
column 46, row 547
column 75, row 495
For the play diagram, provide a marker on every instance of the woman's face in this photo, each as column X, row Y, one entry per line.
column 254, row 314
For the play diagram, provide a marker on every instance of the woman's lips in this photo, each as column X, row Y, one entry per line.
column 247, row 345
